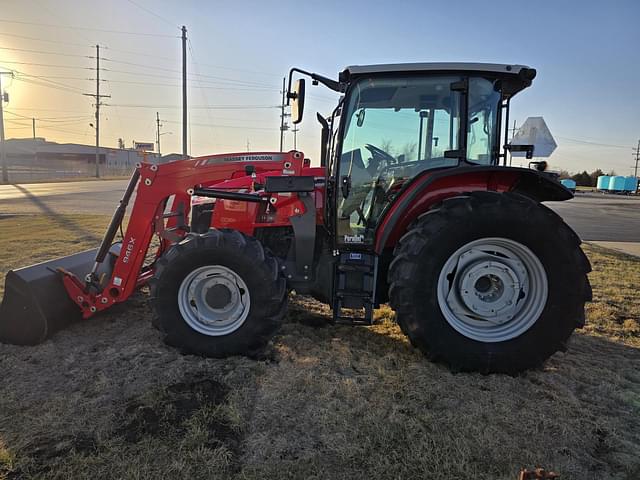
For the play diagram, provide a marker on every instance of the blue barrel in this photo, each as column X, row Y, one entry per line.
column 568, row 183
column 603, row 182
column 630, row 184
column 616, row 184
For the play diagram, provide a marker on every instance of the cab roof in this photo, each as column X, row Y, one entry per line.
column 518, row 77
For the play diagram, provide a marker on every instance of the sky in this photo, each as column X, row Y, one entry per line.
column 586, row 54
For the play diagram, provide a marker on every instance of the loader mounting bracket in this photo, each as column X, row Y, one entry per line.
column 304, row 230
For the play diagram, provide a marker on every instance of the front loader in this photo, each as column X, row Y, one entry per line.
column 412, row 205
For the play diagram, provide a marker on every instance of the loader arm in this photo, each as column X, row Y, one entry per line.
column 162, row 206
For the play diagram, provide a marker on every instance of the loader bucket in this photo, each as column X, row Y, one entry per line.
column 36, row 304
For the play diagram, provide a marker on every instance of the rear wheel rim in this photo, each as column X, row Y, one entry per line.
column 492, row 289
column 214, row 300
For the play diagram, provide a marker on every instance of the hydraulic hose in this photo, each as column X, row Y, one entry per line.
column 116, row 221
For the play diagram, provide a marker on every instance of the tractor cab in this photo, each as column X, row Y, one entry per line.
column 398, row 122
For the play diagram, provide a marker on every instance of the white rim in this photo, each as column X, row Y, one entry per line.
column 492, row 289
column 214, row 300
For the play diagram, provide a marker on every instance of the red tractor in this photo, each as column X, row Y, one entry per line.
column 410, row 205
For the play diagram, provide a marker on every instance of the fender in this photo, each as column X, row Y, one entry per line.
column 433, row 186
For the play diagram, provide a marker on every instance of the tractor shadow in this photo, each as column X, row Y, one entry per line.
column 586, row 351
column 62, row 220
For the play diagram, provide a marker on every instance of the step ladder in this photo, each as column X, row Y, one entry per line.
column 354, row 283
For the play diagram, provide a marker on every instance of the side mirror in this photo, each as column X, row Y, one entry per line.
column 297, row 101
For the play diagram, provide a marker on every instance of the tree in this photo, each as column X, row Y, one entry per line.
column 409, row 151
column 594, row 176
column 387, row 146
column 582, row 179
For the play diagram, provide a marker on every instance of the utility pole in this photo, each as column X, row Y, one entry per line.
column 97, row 97
column 635, row 170
column 33, row 122
column 513, row 134
column 3, row 153
column 184, row 91
column 283, row 125
column 158, row 125
column 295, row 137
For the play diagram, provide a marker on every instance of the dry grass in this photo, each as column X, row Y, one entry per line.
column 29, row 239
column 107, row 398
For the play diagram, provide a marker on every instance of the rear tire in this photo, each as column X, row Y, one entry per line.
column 218, row 294
column 530, row 299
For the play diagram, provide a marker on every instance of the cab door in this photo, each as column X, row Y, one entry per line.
column 393, row 129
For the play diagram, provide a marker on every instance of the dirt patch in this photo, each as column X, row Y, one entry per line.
column 173, row 407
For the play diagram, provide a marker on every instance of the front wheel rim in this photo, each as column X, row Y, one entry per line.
column 492, row 289
column 214, row 300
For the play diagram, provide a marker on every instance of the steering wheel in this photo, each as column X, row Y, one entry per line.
column 380, row 154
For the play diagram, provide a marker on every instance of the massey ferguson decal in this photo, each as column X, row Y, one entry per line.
column 245, row 158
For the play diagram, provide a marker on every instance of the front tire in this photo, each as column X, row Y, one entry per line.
column 489, row 282
column 218, row 294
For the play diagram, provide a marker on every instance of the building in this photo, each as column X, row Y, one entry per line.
column 37, row 159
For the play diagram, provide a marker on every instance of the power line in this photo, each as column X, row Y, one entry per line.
column 592, row 143
column 202, row 92
column 153, row 13
column 56, row 129
column 91, row 29
column 48, row 65
column 56, row 14
column 44, row 40
column 138, row 74
column 49, row 83
column 42, row 79
column 202, row 107
column 272, row 129
column 200, row 84
column 170, row 70
column 42, row 52
column 49, row 119
column 139, row 54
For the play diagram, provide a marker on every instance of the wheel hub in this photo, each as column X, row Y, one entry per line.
column 492, row 289
column 218, row 296
column 214, row 300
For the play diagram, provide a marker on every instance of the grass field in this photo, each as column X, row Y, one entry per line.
column 107, row 399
